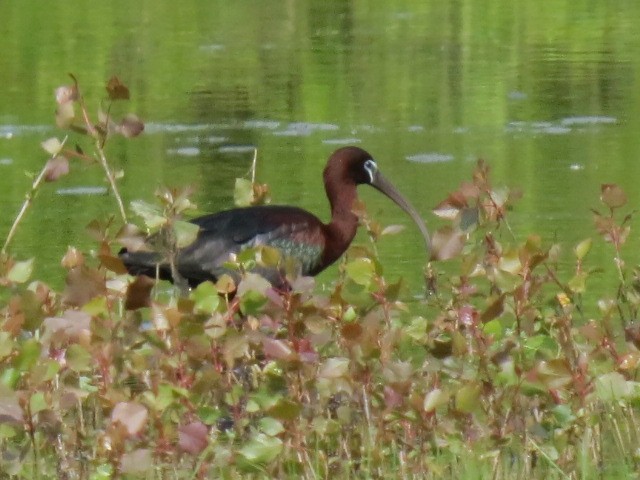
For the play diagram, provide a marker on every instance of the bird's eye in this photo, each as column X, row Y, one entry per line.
column 370, row 167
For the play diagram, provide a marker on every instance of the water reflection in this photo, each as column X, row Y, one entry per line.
column 547, row 95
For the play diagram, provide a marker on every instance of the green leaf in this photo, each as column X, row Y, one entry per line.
column 65, row 114
column 334, row 368
column 493, row 327
column 206, row 298
column 37, row 403
column 44, row 371
column 252, row 302
column 468, row 398
column 270, row 426
column 269, row 256
column 578, row 283
column 208, row 414
column 417, row 329
column 6, row 344
column 21, row 271
column 151, row 214
column 510, row 262
column 243, row 192
column 261, row 448
column 563, row 414
column 78, row 358
column 186, row 232
column 9, row 377
column 361, row 271
column 434, row 399
column 612, row 386
column 285, row 409
column 97, row 306
column 102, row 472
column 583, row 248
column 356, row 294
column 28, row 356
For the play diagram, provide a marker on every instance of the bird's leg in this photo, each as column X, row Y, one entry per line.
column 178, row 280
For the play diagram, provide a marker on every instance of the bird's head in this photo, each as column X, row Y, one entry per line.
column 354, row 166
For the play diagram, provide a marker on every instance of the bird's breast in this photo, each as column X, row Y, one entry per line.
column 307, row 254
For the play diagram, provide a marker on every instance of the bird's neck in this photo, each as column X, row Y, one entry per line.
column 344, row 223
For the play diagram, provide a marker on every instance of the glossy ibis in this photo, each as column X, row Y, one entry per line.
column 295, row 232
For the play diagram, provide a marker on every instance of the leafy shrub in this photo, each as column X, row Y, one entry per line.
column 498, row 370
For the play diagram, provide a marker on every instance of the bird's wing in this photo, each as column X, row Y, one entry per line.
column 293, row 231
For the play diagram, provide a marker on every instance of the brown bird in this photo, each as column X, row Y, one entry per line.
column 296, row 233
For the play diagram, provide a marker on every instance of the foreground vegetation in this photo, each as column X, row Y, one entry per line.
column 497, row 371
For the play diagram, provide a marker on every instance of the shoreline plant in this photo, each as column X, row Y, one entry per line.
column 498, row 372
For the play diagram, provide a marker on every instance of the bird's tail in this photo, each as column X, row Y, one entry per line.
column 143, row 263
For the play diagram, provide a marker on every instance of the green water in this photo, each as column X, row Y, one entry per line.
column 547, row 92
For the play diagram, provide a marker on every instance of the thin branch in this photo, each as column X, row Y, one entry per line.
column 27, row 202
column 112, row 180
column 93, row 131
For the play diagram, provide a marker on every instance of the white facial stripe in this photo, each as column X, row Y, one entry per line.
column 371, row 168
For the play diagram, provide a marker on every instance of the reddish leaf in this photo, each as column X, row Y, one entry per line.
column 139, row 293
column 72, row 259
column 131, row 126
column 392, row 399
column 132, row 415
column 467, row 315
column 130, row 237
column 469, row 191
column 117, row 90
column 82, row 284
column 494, row 310
column 193, row 438
column 305, row 350
column 138, row 461
column 351, row 331
column 446, row 243
column 612, row 195
column 66, row 94
column 603, row 224
column 74, row 326
column 52, row 146
column 629, row 361
column 112, row 263
column 10, row 411
column 632, row 334
column 278, row 349
column 451, row 206
column 56, row 167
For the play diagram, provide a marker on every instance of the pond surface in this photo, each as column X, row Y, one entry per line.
column 548, row 93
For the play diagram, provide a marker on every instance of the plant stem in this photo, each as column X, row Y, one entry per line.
column 27, row 202
column 111, row 178
column 100, row 141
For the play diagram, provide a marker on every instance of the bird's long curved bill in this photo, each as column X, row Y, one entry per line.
column 385, row 186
